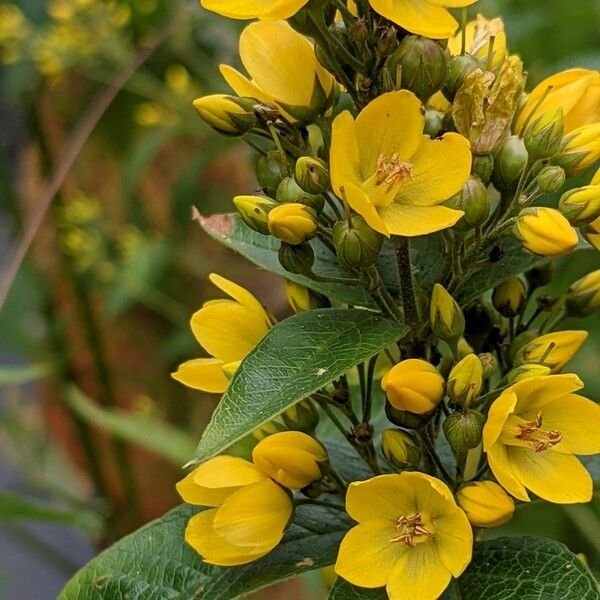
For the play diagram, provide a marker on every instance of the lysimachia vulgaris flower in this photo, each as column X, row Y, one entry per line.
column 227, row 330
column 283, row 69
column 254, row 9
column 477, row 37
column 554, row 350
column 411, row 536
column 390, row 173
column 533, row 432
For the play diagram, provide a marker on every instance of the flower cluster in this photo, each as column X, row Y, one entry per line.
column 385, row 136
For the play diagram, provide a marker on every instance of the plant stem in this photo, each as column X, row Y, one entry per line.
column 435, row 458
column 409, row 300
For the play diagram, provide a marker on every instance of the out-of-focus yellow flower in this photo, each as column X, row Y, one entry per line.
column 545, row 231
column 283, row 69
column 251, row 515
column 292, row 223
column 485, row 503
column 576, row 91
column 532, row 434
column 580, row 149
column 478, row 34
column 254, row 9
column 465, row 380
column 429, row 18
column 228, row 330
column 390, row 173
column 291, row 458
column 414, row 385
column 411, row 536
column 583, row 297
column 581, row 205
column 556, row 348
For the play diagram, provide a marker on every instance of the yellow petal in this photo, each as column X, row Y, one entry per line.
column 501, row 408
column 255, row 515
column 391, row 124
column 367, row 556
column 533, row 393
column 343, row 156
column 503, row 471
column 419, row 575
column 201, row 536
column 555, row 477
column 454, row 539
column 192, row 493
column 237, row 292
column 254, row 9
column 453, row 3
column 440, row 169
column 204, row 374
column 359, row 201
column 242, row 86
column 409, row 220
column 418, row 16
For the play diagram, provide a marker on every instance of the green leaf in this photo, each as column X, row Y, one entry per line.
column 519, row 568
column 148, row 432
column 296, row 358
column 154, row 563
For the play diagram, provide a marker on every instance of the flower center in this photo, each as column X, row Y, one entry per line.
column 390, row 170
column 411, row 531
column 535, row 437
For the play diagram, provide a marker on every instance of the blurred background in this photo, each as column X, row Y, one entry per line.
column 92, row 429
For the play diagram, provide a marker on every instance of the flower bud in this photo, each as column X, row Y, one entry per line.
column 289, row 192
column 418, row 65
column 254, row 211
column 509, row 164
column 463, row 348
column 300, row 298
column 510, row 297
column 267, row 429
column 433, row 123
column 458, row 68
column 356, row 245
column 580, row 149
column 292, row 223
column 227, row 114
column 270, row 171
column 291, row 458
column 311, row 175
column 489, row 363
column 526, row 371
column 543, row 135
column 483, row 167
column 581, row 205
column 545, row 231
column 583, row 297
column 553, row 350
column 550, row 179
column 413, row 385
column 474, row 203
column 485, row 503
column 446, row 317
column 303, row 416
column 463, row 430
column 400, row 449
column 465, row 381
column 405, row 419
column 592, row 233
column 297, row 259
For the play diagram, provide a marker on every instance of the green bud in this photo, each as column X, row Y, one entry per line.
column 583, row 297
column 509, row 164
column 433, row 123
column 526, row 371
column 465, row 381
column 463, row 348
column 303, row 416
column 254, row 211
column 483, row 167
column 356, row 246
column 405, row 419
column 510, row 297
column 540, row 276
column 400, row 448
column 387, row 41
column 419, row 64
column 445, row 316
column 289, row 192
column 229, row 115
column 489, row 363
column 463, row 430
column 474, row 203
column 270, row 170
column 543, row 135
column 550, row 179
column 297, row 259
column 458, row 68
column 311, row 175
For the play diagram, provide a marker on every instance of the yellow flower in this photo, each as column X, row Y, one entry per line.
column 299, row 297
column 414, row 385
column 592, row 233
column 411, row 537
column 465, row 380
column 291, row 458
column 532, row 434
column 545, row 231
column 228, row 330
column 478, row 34
column 485, row 503
column 580, row 149
column 583, row 297
column 446, row 317
column 428, row 18
column 581, row 205
column 284, row 70
column 510, row 297
column 251, row 515
column 254, row 9
column 556, row 348
column 292, row 222
column 226, row 114
column 576, row 91
column 393, row 175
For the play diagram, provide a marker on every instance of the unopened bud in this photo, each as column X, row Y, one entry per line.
column 404, row 418
column 583, row 297
column 297, row 259
column 544, row 134
column 553, row 350
column 485, row 503
column 303, row 416
column 270, row 171
column 254, row 211
column 289, row 192
column 400, row 448
column 526, row 371
column 489, row 363
column 510, row 297
column 292, row 223
column 356, row 244
column 445, row 316
column 267, row 429
column 581, row 205
column 227, row 114
column 465, row 381
column 592, row 234
column 520, row 342
column 434, row 121
column 463, row 348
column 300, row 298
column 312, row 175
column 463, row 430
column 550, row 179
column 545, row 231
column 459, row 67
column 580, row 149
column 474, row 203
column 483, row 167
column 510, row 162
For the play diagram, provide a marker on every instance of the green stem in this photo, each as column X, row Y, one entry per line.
column 436, row 459
column 407, row 286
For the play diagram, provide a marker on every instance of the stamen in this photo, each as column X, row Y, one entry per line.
column 412, row 528
column 391, row 170
column 537, row 438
